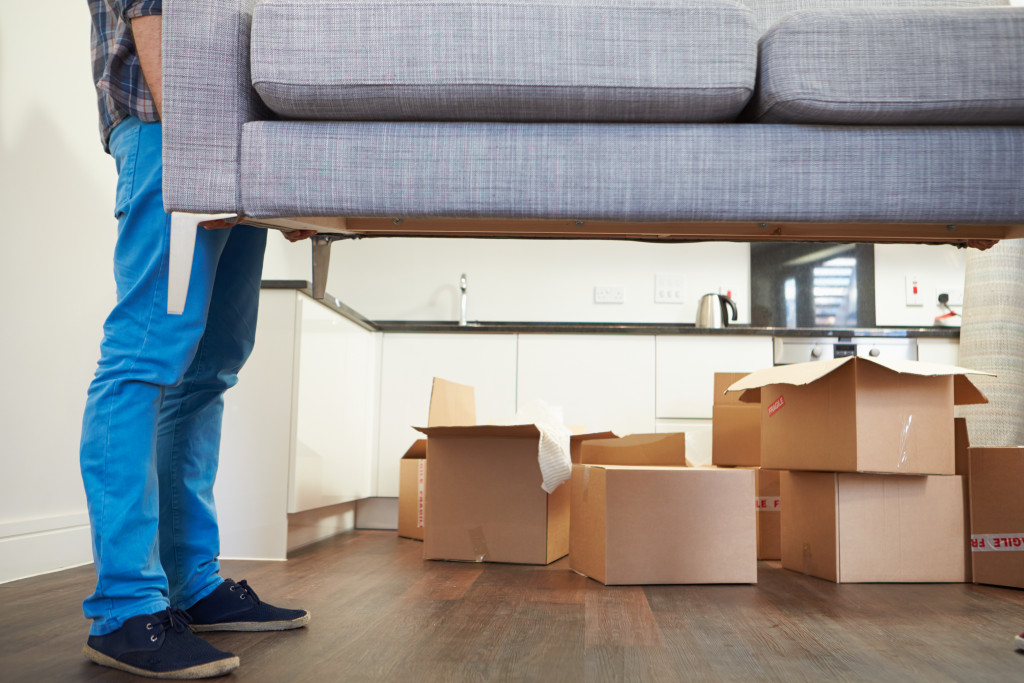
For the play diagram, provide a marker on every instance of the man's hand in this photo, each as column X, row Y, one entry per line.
column 146, row 34
column 298, row 235
column 221, row 223
column 982, row 245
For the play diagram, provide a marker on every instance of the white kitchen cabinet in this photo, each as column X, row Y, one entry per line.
column 938, row 350
column 599, row 382
column 299, row 427
column 686, row 367
column 335, row 413
column 698, row 437
column 409, row 364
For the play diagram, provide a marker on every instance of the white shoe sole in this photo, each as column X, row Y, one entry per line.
column 253, row 625
column 209, row 670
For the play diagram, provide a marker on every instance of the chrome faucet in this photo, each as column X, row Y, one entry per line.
column 462, row 303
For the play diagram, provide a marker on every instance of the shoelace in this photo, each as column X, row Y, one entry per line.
column 172, row 617
column 247, row 590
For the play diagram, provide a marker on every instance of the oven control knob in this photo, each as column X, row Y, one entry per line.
column 816, row 352
column 875, row 352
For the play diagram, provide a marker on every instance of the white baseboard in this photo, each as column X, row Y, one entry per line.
column 377, row 513
column 42, row 551
column 310, row 526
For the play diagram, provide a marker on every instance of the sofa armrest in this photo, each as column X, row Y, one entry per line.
column 207, row 98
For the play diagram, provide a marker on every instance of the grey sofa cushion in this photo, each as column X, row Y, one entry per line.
column 767, row 12
column 635, row 172
column 894, row 66
column 510, row 60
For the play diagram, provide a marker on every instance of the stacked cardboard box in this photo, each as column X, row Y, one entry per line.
column 736, row 442
column 997, row 515
column 639, row 515
column 847, row 435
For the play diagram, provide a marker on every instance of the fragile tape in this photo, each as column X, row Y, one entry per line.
column 981, row 543
column 767, row 504
column 421, row 493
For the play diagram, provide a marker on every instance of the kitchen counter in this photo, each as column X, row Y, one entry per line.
column 498, row 327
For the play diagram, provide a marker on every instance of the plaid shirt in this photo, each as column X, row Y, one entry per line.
column 120, row 87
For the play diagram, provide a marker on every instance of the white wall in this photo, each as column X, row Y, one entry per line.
column 56, row 190
column 938, row 269
column 553, row 281
column 532, row 280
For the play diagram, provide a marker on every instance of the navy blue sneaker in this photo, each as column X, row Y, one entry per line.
column 159, row 646
column 236, row 607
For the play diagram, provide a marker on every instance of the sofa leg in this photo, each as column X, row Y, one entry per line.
column 182, row 249
column 321, row 263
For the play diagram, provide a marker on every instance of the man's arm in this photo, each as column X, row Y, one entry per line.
column 146, row 32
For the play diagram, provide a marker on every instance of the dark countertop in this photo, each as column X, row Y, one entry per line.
column 498, row 327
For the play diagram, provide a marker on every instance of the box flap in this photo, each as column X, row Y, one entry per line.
column 593, row 435
column 800, row 374
column 637, row 449
column 507, row 431
column 722, row 382
column 451, row 404
column 417, row 451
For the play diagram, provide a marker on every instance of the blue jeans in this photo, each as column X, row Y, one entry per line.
column 151, row 431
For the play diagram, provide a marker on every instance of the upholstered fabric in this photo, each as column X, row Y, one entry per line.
column 207, row 96
column 513, row 60
column 635, row 172
column 992, row 339
column 767, row 12
column 894, row 66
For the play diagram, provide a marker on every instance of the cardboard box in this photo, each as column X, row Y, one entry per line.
column 769, row 515
column 859, row 415
column 484, row 501
column 663, row 525
column 863, row 528
column 412, row 487
column 962, row 443
column 450, row 404
column 735, row 425
column 997, row 515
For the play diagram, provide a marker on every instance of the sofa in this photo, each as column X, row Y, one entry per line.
column 834, row 120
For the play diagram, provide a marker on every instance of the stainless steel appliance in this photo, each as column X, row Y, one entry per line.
column 803, row 349
column 712, row 311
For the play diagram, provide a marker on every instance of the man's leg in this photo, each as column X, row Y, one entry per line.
column 143, row 352
column 188, row 437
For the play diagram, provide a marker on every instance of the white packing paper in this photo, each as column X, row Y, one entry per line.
column 553, row 452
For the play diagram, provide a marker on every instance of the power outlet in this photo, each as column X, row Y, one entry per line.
column 668, row 289
column 955, row 294
column 609, row 294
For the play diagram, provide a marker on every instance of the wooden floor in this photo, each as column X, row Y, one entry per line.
column 380, row 613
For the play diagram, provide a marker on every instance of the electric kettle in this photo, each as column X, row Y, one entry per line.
column 712, row 311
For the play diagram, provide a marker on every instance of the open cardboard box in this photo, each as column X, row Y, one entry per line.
column 859, row 415
column 483, row 500
column 867, row 528
column 638, row 523
column 450, row 404
column 735, row 425
column 997, row 515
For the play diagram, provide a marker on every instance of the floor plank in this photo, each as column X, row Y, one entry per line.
column 382, row 613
